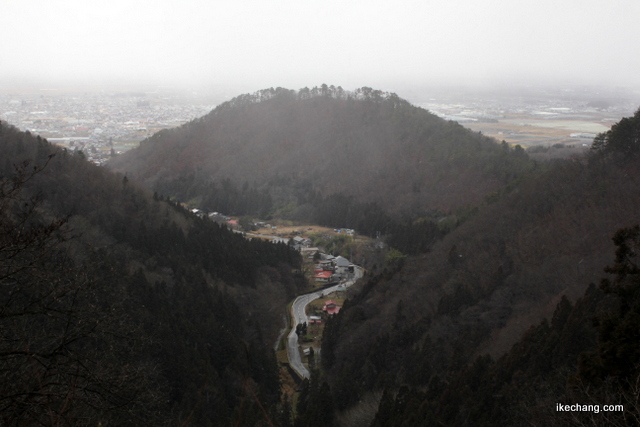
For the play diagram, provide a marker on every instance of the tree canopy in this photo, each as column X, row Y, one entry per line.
column 117, row 307
column 623, row 137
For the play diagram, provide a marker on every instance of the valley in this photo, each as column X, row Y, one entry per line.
column 299, row 317
column 448, row 270
column 303, row 214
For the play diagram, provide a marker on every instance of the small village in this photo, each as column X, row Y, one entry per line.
column 329, row 276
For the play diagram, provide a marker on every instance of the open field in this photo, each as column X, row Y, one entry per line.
column 528, row 131
column 298, row 230
column 283, row 229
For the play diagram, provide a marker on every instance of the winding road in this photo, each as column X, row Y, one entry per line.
column 299, row 316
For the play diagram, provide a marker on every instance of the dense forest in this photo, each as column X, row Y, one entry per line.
column 587, row 353
column 366, row 159
column 446, row 337
column 496, row 243
column 118, row 308
column 510, row 286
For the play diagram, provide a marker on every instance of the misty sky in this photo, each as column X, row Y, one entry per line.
column 379, row 43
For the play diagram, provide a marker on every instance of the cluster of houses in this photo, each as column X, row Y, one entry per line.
column 331, row 269
column 303, row 245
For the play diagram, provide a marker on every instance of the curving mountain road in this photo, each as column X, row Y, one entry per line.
column 299, row 316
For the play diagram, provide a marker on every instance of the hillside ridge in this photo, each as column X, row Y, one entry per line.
column 369, row 145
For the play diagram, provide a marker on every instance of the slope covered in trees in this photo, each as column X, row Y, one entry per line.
column 586, row 354
column 292, row 153
column 122, row 309
column 423, row 322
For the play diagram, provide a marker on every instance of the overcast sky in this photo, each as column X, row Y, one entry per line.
column 295, row 43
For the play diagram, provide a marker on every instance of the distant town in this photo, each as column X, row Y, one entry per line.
column 100, row 123
column 104, row 123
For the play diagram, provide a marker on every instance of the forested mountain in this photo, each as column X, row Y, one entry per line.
column 436, row 332
column 118, row 308
column 496, row 243
column 586, row 354
column 324, row 154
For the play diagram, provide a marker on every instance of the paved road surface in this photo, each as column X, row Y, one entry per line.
column 299, row 316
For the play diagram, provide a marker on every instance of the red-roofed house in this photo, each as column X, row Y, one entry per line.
column 323, row 276
column 330, row 307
